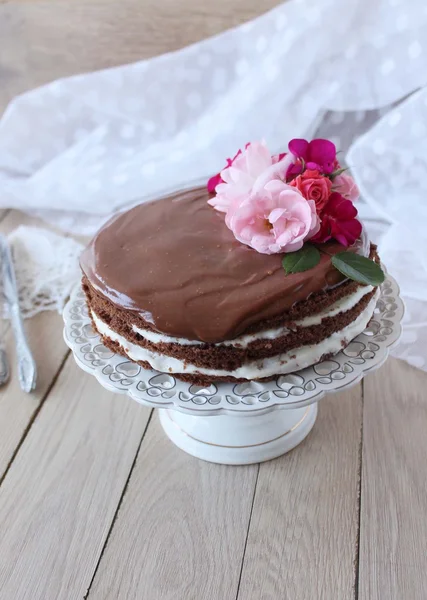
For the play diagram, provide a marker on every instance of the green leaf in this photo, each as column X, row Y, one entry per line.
column 302, row 260
column 358, row 268
column 338, row 172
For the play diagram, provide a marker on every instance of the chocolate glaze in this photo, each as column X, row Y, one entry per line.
column 175, row 262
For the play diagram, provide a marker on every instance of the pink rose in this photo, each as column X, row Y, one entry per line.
column 275, row 219
column 346, row 186
column 313, row 186
column 216, row 179
column 248, row 172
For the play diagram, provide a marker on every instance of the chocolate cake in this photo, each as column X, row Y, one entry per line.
column 170, row 287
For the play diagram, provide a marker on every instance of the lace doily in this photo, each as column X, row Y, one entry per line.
column 46, row 267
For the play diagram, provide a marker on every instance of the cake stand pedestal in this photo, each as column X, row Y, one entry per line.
column 239, row 440
column 237, row 423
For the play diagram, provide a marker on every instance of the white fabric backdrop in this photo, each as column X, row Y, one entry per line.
column 78, row 149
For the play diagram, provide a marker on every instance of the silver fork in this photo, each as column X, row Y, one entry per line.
column 27, row 370
column 4, row 366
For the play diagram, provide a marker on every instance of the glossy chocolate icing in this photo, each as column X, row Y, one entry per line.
column 176, row 263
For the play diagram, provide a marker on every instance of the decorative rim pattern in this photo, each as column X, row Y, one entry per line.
column 365, row 353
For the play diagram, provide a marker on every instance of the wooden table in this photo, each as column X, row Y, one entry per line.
column 96, row 503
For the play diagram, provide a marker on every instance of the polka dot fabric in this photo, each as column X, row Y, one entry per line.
column 390, row 165
column 94, row 143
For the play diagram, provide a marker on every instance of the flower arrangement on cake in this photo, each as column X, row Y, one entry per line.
column 290, row 202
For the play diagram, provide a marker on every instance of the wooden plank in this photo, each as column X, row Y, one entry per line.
column 303, row 532
column 18, row 409
column 44, row 331
column 41, row 41
column 60, row 496
column 393, row 536
column 181, row 529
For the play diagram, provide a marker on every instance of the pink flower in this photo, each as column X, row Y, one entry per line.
column 294, row 169
column 338, row 222
column 346, row 186
column 213, row 182
column 216, row 179
column 247, row 172
column 313, row 186
column 275, row 219
column 318, row 154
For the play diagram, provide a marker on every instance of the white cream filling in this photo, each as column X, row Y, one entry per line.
column 295, row 359
column 342, row 305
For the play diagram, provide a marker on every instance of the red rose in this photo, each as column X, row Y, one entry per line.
column 338, row 222
column 313, row 186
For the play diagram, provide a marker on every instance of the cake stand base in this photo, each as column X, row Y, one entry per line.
column 239, row 440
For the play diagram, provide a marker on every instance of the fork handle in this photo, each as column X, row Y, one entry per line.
column 4, row 367
column 26, row 364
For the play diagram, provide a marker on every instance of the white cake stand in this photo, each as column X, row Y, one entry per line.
column 237, row 423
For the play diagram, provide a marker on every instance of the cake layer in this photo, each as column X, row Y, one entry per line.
column 229, row 355
column 178, row 270
column 282, row 363
column 244, row 341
